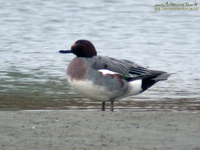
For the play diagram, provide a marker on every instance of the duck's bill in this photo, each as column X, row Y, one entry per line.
column 65, row 51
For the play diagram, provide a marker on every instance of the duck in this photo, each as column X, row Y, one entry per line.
column 106, row 79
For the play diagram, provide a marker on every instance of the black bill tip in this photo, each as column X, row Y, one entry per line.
column 65, row 51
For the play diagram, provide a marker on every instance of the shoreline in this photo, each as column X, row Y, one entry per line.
column 64, row 129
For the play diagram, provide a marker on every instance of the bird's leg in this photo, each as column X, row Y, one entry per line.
column 112, row 104
column 103, row 106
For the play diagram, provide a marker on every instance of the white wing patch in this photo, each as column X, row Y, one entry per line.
column 105, row 72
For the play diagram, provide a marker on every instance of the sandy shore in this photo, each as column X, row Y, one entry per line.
column 73, row 130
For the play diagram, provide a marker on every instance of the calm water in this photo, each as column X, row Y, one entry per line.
column 32, row 72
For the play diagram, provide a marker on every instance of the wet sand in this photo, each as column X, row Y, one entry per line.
column 74, row 130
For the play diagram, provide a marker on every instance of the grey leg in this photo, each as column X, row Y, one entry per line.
column 103, row 106
column 112, row 104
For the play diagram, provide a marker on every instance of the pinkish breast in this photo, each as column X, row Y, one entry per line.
column 76, row 69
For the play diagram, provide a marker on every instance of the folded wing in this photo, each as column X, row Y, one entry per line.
column 130, row 70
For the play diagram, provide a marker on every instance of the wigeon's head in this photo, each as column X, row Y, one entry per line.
column 82, row 48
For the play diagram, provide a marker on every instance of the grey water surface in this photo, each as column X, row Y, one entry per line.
column 33, row 73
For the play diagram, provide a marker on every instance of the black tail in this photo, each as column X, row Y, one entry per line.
column 156, row 76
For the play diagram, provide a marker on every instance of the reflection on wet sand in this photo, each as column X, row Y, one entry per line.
column 14, row 102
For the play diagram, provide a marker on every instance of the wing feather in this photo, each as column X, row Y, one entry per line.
column 124, row 67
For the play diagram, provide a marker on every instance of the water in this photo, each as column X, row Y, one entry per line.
column 32, row 72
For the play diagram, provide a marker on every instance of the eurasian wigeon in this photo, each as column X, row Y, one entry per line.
column 105, row 79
